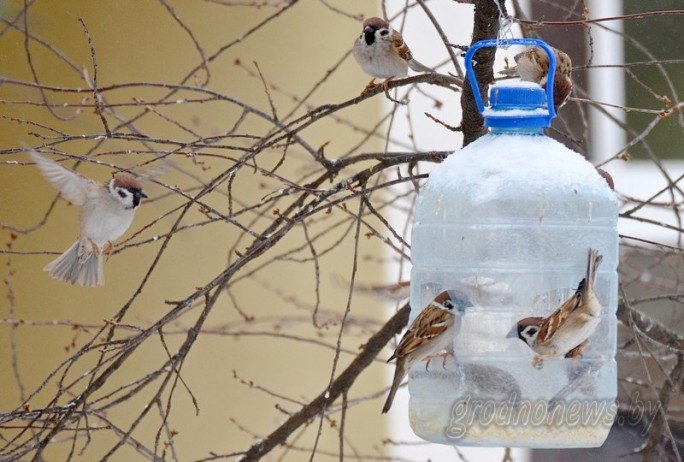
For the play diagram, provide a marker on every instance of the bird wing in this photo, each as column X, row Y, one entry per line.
column 400, row 46
column 73, row 187
column 551, row 324
column 578, row 350
column 583, row 300
column 562, row 86
column 430, row 323
column 402, row 49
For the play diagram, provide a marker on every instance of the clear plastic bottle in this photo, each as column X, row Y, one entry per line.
column 509, row 221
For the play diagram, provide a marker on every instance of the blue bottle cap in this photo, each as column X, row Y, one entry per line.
column 517, row 105
column 517, row 95
column 514, row 104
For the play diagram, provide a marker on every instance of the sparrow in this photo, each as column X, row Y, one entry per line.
column 382, row 53
column 567, row 330
column 430, row 333
column 532, row 65
column 107, row 211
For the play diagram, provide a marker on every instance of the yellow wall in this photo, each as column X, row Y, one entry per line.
column 138, row 41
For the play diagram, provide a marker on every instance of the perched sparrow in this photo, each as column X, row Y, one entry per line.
column 107, row 212
column 430, row 333
column 567, row 331
column 532, row 65
column 382, row 53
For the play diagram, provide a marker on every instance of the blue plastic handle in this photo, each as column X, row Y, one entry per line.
column 507, row 42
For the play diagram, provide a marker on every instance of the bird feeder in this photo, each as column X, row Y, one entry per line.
column 509, row 221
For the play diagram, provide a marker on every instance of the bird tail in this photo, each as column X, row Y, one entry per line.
column 511, row 71
column 399, row 373
column 592, row 268
column 73, row 268
column 418, row 67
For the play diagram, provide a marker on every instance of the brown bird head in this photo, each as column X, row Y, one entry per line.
column 526, row 330
column 373, row 25
column 452, row 300
column 533, row 66
column 126, row 189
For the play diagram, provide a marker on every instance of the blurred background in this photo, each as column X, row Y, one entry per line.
column 263, row 331
column 242, row 117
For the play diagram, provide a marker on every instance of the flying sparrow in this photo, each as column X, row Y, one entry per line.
column 532, row 65
column 567, row 330
column 106, row 213
column 430, row 333
column 382, row 53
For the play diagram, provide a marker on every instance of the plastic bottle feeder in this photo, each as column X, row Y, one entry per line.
column 509, row 220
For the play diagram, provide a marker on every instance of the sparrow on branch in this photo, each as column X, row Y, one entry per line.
column 382, row 53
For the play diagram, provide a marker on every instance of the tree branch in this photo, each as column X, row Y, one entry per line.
column 486, row 26
column 650, row 328
column 339, row 386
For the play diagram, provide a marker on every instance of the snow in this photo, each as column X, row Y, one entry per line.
column 534, row 163
column 489, row 112
column 517, row 84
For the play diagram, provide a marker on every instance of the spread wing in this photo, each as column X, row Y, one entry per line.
column 550, row 325
column 430, row 323
column 72, row 186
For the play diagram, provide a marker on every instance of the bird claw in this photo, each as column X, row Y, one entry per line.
column 538, row 362
column 403, row 103
column 444, row 357
column 94, row 248
column 108, row 249
column 369, row 87
column 385, row 88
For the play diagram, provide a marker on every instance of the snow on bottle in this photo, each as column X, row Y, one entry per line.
column 510, row 220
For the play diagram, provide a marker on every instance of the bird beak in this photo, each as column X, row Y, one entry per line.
column 513, row 332
column 369, row 30
column 141, row 193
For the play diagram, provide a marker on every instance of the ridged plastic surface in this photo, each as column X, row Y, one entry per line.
column 509, row 220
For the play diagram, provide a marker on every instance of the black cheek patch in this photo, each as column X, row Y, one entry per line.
column 136, row 197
